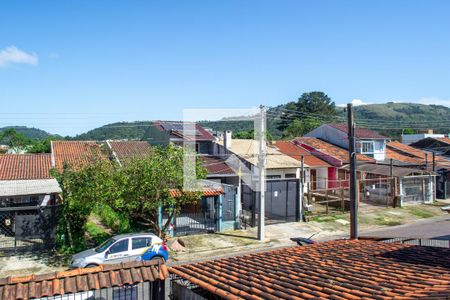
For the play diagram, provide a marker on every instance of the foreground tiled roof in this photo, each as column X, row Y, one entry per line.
column 25, row 166
column 215, row 165
column 328, row 149
column 340, row 269
column 296, row 152
column 124, row 150
column 361, row 133
column 81, row 280
column 77, row 154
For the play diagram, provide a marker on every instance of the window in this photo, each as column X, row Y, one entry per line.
column 142, row 242
column 367, row 147
column 273, row 176
column 291, row 175
column 120, row 246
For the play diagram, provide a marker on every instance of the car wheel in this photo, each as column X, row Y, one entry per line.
column 91, row 266
column 158, row 256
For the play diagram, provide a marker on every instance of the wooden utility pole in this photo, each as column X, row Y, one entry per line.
column 353, row 178
column 262, row 173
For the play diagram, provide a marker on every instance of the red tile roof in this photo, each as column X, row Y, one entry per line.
column 176, row 128
column 405, row 153
column 444, row 140
column 124, row 150
column 25, row 166
column 77, row 154
column 207, row 192
column 361, row 133
column 216, row 165
column 296, row 152
column 342, row 269
column 328, row 149
column 81, row 280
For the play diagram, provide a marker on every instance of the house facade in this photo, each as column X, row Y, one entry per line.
column 368, row 143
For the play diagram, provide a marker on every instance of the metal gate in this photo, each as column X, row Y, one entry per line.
column 199, row 219
column 280, row 201
column 27, row 228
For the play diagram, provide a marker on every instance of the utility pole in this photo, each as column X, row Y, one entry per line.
column 262, row 173
column 353, row 178
column 426, row 162
column 434, row 177
column 299, row 212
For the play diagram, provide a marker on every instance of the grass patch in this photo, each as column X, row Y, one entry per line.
column 419, row 212
column 97, row 234
column 386, row 221
column 326, row 218
column 114, row 220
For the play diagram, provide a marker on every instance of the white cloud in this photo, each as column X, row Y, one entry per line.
column 12, row 55
column 436, row 101
column 355, row 102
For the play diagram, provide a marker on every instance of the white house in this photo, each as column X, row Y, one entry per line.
column 368, row 142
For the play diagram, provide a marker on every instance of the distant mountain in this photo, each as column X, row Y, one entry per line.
column 391, row 118
column 121, row 130
column 30, row 132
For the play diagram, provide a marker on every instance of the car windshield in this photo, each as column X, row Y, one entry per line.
column 105, row 245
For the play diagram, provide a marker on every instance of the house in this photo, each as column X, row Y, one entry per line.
column 335, row 156
column 368, row 142
column 76, row 154
column 176, row 132
column 28, row 195
column 339, row 269
column 137, row 280
column 282, row 173
column 408, row 139
column 318, row 168
column 440, row 145
column 124, row 151
column 417, row 158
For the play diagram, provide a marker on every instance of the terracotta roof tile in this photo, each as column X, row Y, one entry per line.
column 323, row 149
column 414, row 152
column 79, row 280
column 207, row 192
column 215, row 165
column 77, row 154
column 124, row 150
column 342, row 269
column 176, row 128
column 296, row 151
column 361, row 133
column 25, row 166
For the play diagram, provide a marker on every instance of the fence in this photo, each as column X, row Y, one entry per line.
column 27, row 228
column 419, row 242
column 332, row 197
column 417, row 189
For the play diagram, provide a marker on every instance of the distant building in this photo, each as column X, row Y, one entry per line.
column 368, row 142
column 408, row 139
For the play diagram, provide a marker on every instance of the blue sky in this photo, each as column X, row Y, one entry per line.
column 69, row 66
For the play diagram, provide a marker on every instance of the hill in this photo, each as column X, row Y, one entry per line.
column 120, row 130
column 30, row 132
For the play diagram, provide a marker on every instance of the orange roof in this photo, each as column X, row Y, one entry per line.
column 444, row 139
column 77, row 154
column 294, row 151
column 207, row 192
column 68, row 283
column 330, row 149
column 341, row 269
column 25, row 166
column 405, row 153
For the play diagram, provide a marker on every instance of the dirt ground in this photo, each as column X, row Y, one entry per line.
column 199, row 247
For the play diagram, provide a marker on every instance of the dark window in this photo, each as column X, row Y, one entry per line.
column 120, row 246
column 273, row 176
column 142, row 242
column 292, row 175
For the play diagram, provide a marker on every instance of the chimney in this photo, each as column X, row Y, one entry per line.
column 430, row 131
column 227, row 139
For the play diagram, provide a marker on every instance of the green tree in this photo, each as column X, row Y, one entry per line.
column 304, row 112
column 16, row 141
column 148, row 183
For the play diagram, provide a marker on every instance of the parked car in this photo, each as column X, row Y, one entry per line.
column 122, row 248
column 378, row 189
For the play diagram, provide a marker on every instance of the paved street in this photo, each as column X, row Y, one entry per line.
column 435, row 228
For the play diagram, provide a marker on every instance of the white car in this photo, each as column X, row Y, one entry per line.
column 122, row 248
